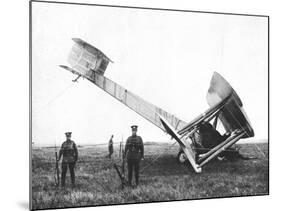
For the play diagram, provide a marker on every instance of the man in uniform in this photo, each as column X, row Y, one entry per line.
column 70, row 156
column 134, row 153
column 110, row 146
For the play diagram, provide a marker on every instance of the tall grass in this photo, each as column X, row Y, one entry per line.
column 165, row 179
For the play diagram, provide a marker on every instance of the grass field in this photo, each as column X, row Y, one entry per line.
column 97, row 182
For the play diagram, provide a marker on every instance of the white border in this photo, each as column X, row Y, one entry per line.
column 14, row 88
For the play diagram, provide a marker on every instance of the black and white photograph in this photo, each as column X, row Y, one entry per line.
column 139, row 105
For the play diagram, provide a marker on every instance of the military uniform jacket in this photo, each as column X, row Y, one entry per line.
column 134, row 148
column 110, row 145
column 69, row 152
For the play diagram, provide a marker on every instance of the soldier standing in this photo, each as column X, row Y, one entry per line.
column 110, row 146
column 134, row 153
column 70, row 156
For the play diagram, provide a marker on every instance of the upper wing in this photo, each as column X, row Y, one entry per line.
column 232, row 115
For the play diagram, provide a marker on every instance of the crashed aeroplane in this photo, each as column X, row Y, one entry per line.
column 199, row 140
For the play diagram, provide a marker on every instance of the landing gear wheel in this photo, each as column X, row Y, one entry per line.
column 181, row 157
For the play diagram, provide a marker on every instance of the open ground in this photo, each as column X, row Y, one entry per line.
column 162, row 178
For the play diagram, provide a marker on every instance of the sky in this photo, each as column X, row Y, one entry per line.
column 165, row 57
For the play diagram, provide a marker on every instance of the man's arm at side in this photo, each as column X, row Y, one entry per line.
column 141, row 148
column 75, row 152
column 60, row 152
column 126, row 147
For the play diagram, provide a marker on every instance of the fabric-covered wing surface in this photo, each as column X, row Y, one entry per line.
column 136, row 103
column 232, row 114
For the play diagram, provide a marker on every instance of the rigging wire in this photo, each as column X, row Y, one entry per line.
column 154, row 160
column 54, row 99
column 138, row 111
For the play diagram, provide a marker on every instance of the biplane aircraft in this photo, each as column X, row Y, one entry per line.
column 199, row 139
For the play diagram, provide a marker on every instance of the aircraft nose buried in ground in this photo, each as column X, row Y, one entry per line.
column 199, row 140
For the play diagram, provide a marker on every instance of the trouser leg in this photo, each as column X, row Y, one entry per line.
column 110, row 152
column 130, row 171
column 63, row 173
column 136, row 168
column 72, row 173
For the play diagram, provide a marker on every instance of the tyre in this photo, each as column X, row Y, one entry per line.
column 181, row 157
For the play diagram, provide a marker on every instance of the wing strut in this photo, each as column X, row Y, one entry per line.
column 186, row 147
column 235, row 136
